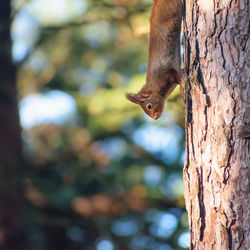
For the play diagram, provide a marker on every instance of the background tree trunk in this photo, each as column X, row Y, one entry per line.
column 217, row 98
column 11, row 204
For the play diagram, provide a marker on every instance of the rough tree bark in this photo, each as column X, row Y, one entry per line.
column 12, row 233
column 217, row 100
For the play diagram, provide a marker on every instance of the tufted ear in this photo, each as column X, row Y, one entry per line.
column 135, row 98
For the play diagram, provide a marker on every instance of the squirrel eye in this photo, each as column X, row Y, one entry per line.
column 149, row 106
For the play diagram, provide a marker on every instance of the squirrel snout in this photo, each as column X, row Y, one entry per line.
column 156, row 116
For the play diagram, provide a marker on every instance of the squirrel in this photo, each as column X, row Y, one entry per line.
column 164, row 64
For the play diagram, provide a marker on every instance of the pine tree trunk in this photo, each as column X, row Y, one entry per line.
column 12, row 233
column 217, row 100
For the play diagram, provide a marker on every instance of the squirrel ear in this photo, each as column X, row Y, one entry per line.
column 135, row 98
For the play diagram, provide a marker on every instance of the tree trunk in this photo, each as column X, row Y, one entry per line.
column 11, row 215
column 217, row 100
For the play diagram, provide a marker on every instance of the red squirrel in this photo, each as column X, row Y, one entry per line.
column 164, row 70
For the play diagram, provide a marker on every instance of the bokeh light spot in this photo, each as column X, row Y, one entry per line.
column 173, row 186
column 105, row 245
column 163, row 142
column 124, row 227
column 56, row 11
column 164, row 225
column 152, row 175
column 184, row 240
column 54, row 106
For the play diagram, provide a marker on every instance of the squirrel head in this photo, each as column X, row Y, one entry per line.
column 152, row 103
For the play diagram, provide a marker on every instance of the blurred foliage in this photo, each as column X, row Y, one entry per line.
column 94, row 181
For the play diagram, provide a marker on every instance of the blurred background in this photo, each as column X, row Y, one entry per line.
column 97, row 173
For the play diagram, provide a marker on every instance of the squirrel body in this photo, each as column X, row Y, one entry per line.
column 164, row 70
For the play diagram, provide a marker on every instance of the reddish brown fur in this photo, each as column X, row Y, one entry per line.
column 163, row 72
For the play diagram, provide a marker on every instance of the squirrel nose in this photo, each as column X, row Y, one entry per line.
column 156, row 116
